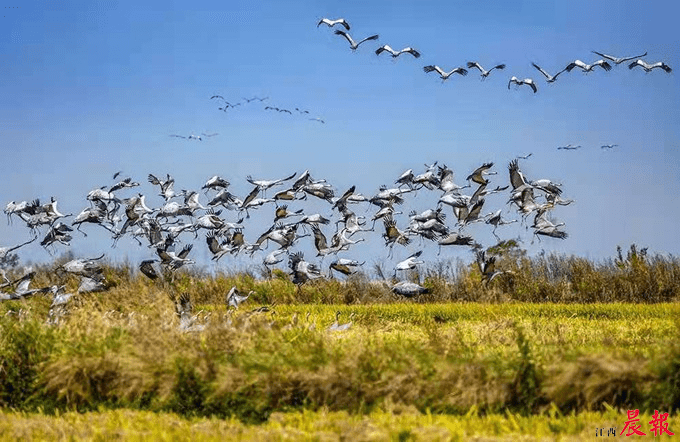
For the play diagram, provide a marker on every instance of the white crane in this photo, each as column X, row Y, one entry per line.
column 352, row 44
column 648, row 67
column 484, row 72
column 409, row 263
column 274, row 257
column 527, row 81
column 548, row 78
column 443, row 74
column 588, row 67
column 330, row 23
column 618, row 60
column 569, row 147
column 395, row 54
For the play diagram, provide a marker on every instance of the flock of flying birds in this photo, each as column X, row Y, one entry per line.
column 168, row 231
column 604, row 63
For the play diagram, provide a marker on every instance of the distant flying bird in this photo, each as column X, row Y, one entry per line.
column 395, row 54
column 352, row 44
column 588, row 67
column 445, row 75
column 528, row 81
column 648, row 67
column 525, row 157
column 549, row 78
column 317, row 119
column 617, row 60
column 569, row 147
column 609, row 146
column 485, row 73
column 331, row 23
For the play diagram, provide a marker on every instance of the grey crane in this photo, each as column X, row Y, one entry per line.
column 455, row 239
column 337, row 327
column 124, row 184
column 409, row 289
column 4, row 251
column 215, row 183
column 166, row 185
column 478, row 175
column 345, row 266
column 234, row 298
column 608, row 146
column 263, row 185
column 496, row 220
column 487, row 267
column 217, row 249
column 88, row 267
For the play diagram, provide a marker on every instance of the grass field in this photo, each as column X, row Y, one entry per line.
column 418, row 369
column 395, row 425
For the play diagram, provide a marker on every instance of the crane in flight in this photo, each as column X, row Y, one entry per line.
column 330, row 23
column 442, row 73
column 648, row 67
column 484, row 72
column 527, row 81
column 352, row 44
column 618, row 60
column 395, row 54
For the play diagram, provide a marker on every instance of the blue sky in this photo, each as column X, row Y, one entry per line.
column 90, row 88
